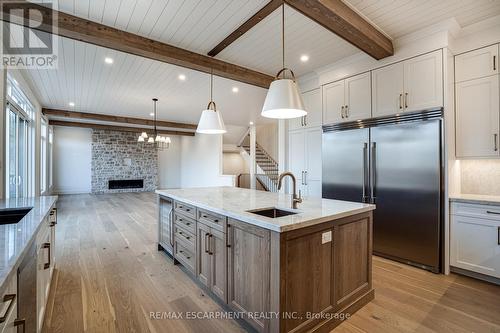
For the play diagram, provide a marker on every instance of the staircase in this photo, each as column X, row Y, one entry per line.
column 269, row 179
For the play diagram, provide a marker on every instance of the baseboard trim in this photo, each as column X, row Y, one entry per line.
column 475, row 275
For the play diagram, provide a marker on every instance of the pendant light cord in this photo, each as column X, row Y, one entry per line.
column 283, row 34
column 211, row 84
column 154, row 123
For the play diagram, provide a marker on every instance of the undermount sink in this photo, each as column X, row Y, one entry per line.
column 14, row 215
column 272, row 212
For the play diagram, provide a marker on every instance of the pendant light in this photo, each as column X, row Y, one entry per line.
column 211, row 121
column 161, row 142
column 283, row 100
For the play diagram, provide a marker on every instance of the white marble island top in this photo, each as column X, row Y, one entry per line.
column 235, row 202
column 15, row 238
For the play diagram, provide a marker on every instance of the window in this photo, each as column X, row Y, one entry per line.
column 43, row 156
column 51, row 149
column 19, row 142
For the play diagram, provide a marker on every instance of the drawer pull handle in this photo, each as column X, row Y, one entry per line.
column 7, row 298
column 19, row 322
column 180, row 219
column 498, row 236
column 47, row 264
column 216, row 221
column 491, row 212
column 204, row 216
column 187, row 209
column 187, row 223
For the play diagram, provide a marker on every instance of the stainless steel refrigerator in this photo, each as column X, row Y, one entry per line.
column 397, row 164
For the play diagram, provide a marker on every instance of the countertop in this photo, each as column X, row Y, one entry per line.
column 234, row 202
column 16, row 238
column 476, row 199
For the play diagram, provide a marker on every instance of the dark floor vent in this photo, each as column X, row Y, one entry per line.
column 125, row 184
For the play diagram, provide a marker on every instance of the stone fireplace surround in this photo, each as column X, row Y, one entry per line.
column 118, row 156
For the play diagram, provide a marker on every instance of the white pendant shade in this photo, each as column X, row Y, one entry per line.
column 211, row 123
column 283, row 101
column 141, row 139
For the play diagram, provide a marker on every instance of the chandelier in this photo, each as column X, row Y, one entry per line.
column 161, row 142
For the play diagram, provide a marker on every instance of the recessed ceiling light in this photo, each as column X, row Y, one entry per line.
column 71, row 104
column 108, row 60
column 182, row 77
column 251, row 123
column 236, row 89
column 304, row 58
column 152, row 114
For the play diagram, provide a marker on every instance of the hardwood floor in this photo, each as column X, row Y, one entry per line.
column 109, row 277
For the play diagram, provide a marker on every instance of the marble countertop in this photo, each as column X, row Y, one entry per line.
column 235, row 202
column 16, row 238
column 476, row 199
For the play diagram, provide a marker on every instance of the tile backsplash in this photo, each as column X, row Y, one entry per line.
column 480, row 177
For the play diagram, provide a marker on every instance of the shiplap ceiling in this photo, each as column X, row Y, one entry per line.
column 400, row 17
column 126, row 87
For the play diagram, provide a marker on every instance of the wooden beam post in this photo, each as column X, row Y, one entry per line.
column 116, row 128
column 339, row 18
column 114, row 119
column 87, row 31
column 247, row 25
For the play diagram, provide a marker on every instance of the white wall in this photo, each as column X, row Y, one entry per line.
column 234, row 164
column 201, row 161
column 267, row 138
column 72, row 160
column 169, row 165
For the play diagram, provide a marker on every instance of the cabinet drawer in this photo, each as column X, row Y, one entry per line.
column 188, row 210
column 185, row 222
column 185, row 237
column 490, row 212
column 185, row 256
column 213, row 220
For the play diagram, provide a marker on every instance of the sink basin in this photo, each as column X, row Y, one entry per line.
column 10, row 216
column 272, row 212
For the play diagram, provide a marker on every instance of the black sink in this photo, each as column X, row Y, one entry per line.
column 272, row 212
column 14, row 215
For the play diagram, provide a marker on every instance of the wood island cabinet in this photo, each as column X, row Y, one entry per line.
column 290, row 281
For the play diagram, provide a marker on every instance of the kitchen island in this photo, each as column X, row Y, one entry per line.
column 306, row 269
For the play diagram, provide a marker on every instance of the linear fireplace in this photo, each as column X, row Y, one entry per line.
column 125, row 184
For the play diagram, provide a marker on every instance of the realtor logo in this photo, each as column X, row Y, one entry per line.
column 28, row 35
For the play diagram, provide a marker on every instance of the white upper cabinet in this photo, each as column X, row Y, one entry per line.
column 387, row 94
column 358, row 97
column 411, row 85
column 333, row 102
column 423, row 82
column 476, row 64
column 312, row 103
column 477, row 117
column 347, row 100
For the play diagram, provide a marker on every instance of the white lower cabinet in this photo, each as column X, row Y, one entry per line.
column 8, row 306
column 475, row 238
column 305, row 160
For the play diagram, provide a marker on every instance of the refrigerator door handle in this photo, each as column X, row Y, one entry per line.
column 365, row 171
column 373, row 176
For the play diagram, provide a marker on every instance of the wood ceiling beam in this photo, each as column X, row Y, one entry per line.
column 115, row 128
column 340, row 19
column 115, row 119
column 247, row 25
column 87, row 31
